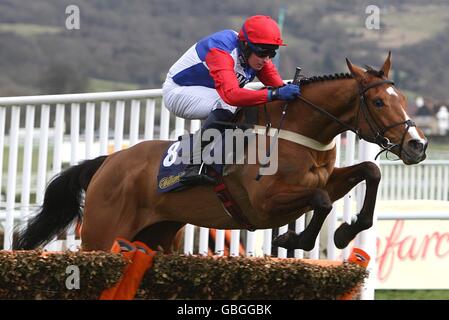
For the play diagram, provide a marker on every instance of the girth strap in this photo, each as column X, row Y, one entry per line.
column 231, row 207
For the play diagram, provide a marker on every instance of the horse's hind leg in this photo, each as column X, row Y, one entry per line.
column 99, row 238
column 102, row 224
column 340, row 183
column 160, row 235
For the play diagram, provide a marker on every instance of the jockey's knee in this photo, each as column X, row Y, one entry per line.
column 222, row 115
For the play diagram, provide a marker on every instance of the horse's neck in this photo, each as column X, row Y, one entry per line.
column 334, row 96
column 338, row 97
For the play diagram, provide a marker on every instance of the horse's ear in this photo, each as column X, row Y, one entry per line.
column 356, row 71
column 387, row 64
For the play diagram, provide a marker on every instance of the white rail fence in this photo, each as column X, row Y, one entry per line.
column 426, row 181
column 40, row 135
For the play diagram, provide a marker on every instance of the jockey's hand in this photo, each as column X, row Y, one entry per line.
column 288, row 92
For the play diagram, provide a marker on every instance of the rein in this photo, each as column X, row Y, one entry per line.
column 377, row 130
column 296, row 80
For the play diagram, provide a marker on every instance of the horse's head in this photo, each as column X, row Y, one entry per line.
column 382, row 116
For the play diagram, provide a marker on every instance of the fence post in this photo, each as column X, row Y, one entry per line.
column 367, row 239
column 12, row 176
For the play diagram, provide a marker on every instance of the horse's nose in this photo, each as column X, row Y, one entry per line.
column 419, row 146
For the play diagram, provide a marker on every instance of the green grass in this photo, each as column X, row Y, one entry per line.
column 412, row 295
column 431, row 20
column 28, row 30
column 99, row 85
column 34, row 165
column 20, row 153
column 398, row 27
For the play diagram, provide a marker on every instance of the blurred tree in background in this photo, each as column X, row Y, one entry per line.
column 133, row 43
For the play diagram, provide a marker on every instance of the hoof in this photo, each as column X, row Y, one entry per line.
column 343, row 236
column 286, row 240
column 290, row 240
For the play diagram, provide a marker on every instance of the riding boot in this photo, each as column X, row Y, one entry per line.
column 197, row 173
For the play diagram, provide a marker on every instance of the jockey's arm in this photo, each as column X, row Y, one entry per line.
column 221, row 68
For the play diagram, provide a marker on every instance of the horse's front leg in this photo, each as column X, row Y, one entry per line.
column 340, row 183
column 290, row 198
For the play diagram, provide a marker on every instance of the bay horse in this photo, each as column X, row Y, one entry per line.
column 121, row 197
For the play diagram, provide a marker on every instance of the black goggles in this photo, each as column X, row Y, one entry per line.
column 262, row 53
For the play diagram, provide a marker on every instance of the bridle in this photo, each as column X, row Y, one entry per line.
column 377, row 130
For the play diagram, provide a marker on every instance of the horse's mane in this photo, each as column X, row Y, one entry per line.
column 336, row 76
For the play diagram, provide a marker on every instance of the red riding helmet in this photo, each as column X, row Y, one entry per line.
column 261, row 30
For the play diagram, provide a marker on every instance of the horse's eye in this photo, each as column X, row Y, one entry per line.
column 378, row 103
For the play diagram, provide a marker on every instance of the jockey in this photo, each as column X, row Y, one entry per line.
column 207, row 81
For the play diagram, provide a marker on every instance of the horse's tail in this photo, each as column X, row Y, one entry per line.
column 62, row 205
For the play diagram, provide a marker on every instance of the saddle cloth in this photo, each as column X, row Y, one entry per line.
column 174, row 161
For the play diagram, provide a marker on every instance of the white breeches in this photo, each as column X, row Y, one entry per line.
column 192, row 102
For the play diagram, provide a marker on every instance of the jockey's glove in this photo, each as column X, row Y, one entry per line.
column 287, row 92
